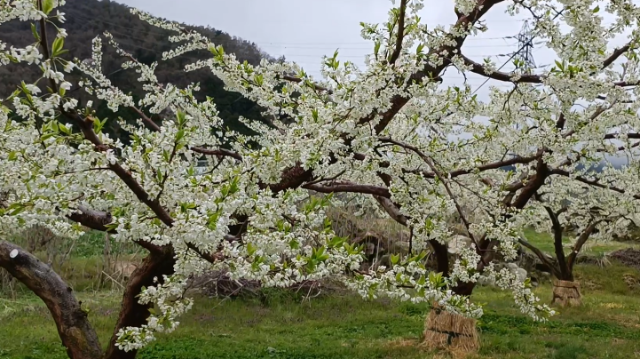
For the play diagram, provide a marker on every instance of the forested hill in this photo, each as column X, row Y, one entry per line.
column 86, row 19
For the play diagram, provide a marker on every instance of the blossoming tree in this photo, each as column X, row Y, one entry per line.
column 594, row 210
column 389, row 135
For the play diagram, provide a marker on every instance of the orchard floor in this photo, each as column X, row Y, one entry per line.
column 337, row 327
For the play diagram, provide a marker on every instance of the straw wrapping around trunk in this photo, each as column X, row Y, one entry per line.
column 566, row 293
column 450, row 331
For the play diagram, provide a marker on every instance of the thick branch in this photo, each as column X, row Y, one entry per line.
column 532, row 187
column 440, row 250
column 92, row 218
column 74, row 329
column 495, row 165
column 392, row 210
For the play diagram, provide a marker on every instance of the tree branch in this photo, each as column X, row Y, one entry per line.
column 221, row 152
column 615, row 55
column 500, row 76
column 347, row 186
column 398, row 48
column 594, row 183
column 543, row 257
column 430, row 162
column 584, row 236
column 205, row 151
column 92, row 218
column 315, row 86
column 44, row 43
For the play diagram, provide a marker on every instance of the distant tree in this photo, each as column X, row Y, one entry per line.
column 388, row 136
column 597, row 211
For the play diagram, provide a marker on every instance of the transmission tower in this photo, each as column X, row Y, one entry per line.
column 525, row 46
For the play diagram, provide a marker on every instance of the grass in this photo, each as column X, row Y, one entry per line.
column 544, row 242
column 336, row 327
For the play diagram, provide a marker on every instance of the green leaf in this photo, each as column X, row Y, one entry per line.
column 64, row 129
column 251, row 249
column 16, row 210
column 47, row 6
column 259, row 79
column 179, row 135
column 336, row 242
column 57, row 46
column 376, row 48
column 35, row 32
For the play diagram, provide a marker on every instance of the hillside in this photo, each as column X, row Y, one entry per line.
column 88, row 18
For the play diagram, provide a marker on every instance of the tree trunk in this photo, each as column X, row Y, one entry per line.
column 74, row 329
column 132, row 313
column 450, row 331
column 566, row 293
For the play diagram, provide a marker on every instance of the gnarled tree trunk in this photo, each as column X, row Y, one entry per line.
column 74, row 329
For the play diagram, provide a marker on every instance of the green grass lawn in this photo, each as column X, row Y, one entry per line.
column 335, row 327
